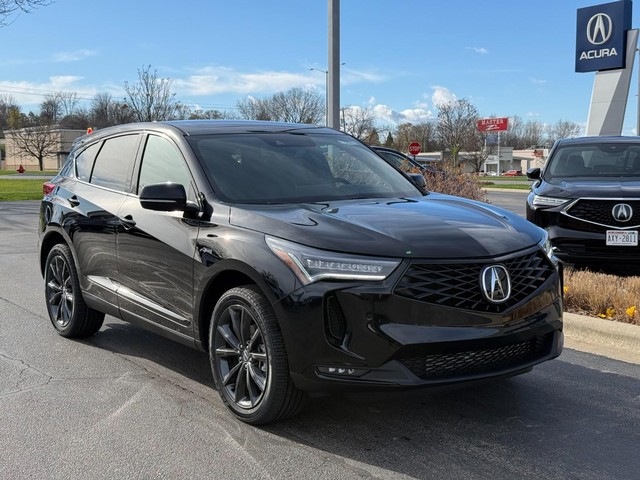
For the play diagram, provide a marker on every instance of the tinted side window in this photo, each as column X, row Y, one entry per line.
column 84, row 162
column 162, row 162
column 114, row 162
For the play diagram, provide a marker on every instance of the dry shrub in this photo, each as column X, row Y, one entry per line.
column 453, row 182
column 599, row 294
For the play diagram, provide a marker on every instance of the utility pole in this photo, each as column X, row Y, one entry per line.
column 333, row 83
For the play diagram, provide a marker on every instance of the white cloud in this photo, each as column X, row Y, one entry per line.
column 480, row 50
column 29, row 94
column 221, row 80
column 538, row 81
column 442, row 96
column 385, row 115
column 64, row 57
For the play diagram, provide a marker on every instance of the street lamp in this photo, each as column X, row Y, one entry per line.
column 326, row 93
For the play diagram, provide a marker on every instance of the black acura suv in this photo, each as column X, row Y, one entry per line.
column 587, row 197
column 301, row 261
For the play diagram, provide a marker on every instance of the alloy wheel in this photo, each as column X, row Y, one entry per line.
column 60, row 291
column 241, row 357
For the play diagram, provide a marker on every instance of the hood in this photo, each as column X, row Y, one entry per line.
column 436, row 226
column 603, row 187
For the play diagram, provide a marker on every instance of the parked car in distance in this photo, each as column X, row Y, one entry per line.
column 297, row 258
column 587, row 197
column 512, row 173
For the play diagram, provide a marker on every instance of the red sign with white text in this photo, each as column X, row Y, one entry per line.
column 414, row 148
column 493, row 124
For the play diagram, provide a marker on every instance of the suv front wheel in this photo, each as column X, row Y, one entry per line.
column 249, row 360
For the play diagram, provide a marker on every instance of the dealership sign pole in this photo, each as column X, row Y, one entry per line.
column 493, row 125
column 606, row 44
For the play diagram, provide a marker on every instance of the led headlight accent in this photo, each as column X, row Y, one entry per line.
column 540, row 201
column 311, row 264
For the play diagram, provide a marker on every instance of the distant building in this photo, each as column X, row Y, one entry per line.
column 14, row 157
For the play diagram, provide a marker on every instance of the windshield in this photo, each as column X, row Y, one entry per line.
column 601, row 160
column 296, row 168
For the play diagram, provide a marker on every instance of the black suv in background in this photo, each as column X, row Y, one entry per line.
column 587, row 196
column 297, row 258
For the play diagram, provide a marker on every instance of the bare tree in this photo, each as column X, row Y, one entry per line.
column 357, row 121
column 38, row 142
column 68, row 101
column 207, row 115
column 478, row 149
column 298, row 105
column 61, row 107
column 105, row 111
column 7, row 105
column 51, row 109
column 456, row 125
column 562, row 129
column 251, row 108
column 150, row 98
column 423, row 133
column 10, row 7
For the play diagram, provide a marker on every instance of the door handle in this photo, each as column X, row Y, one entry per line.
column 127, row 222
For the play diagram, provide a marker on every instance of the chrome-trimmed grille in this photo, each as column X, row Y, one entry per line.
column 458, row 284
column 598, row 211
column 478, row 362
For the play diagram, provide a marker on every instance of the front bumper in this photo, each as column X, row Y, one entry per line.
column 368, row 336
column 580, row 242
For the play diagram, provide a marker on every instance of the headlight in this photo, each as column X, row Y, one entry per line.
column 540, row 201
column 310, row 264
column 547, row 248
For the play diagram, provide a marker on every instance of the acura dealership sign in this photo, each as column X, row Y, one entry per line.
column 601, row 36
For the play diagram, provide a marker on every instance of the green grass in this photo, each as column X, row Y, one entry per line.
column 520, row 178
column 506, row 186
column 23, row 189
column 29, row 172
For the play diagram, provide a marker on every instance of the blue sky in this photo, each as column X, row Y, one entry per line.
column 508, row 57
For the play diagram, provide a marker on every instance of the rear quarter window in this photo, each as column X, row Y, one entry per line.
column 84, row 162
column 114, row 163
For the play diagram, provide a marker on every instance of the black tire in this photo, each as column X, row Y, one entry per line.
column 68, row 312
column 249, row 360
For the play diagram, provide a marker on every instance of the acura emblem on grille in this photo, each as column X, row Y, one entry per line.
column 622, row 212
column 495, row 283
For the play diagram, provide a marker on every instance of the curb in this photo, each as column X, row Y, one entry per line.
column 620, row 341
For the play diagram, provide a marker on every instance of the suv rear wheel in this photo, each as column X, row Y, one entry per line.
column 249, row 360
column 67, row 310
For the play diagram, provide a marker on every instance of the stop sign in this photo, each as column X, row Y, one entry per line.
column 414, row 148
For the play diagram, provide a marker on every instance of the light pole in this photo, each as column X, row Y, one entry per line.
column 326, row 93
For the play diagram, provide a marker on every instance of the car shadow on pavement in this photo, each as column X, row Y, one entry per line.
column 495, row 428
column 135, row 342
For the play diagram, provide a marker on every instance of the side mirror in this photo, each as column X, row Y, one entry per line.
column 418, row 179
column 164, row 197
column 533, row 174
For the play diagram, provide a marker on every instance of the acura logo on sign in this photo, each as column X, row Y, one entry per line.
column 599, row 29
column 495, row 283
column 622, row 212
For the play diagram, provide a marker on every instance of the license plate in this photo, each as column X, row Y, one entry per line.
column 622, row 238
